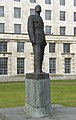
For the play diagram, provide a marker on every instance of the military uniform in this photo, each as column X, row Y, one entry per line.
column 37, row 37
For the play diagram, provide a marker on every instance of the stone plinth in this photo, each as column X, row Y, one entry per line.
column 37, row 95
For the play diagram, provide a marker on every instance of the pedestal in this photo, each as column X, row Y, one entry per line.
column 37, row 95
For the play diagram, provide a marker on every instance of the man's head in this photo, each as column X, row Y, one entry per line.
column 38, row 8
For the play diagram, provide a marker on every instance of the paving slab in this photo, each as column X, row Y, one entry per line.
column 19, row 113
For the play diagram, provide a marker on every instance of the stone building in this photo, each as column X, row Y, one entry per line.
column 16, row 54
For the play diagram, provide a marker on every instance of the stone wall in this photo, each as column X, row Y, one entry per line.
column 23, row 77
column 63, row 77
column 12, row 78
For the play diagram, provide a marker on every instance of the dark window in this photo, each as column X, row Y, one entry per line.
column 47, row 14
column 62, row 30
column 62, row 2
column 17, row 0
column 75, row 31
column 52, row 47
column 20, row 65
column 32, row 11
column 20, row 46
column 1, row 11
column 74, row 2
column 32, row 1
column 48, row 29
column 74, row 16
column 66, row 47
column 3, row 46
column 3, row 66
column 62, row 15
column 17, row 28
column 52, row 65
column 17, row 12
column 67, row 65
column 2, row 27
column 47, row 1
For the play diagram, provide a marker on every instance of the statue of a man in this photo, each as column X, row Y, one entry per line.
column 37, row 38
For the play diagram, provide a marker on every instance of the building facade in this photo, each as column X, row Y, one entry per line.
column 16, row 54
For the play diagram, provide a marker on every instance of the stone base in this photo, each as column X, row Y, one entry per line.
column 38, row 95
column 38, row 112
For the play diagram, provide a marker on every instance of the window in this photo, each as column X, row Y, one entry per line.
column 48, row 29
column 74, row 16
column 62, row 15
column 62, row 30
column 2, row 27
column 3, row 46
column 52, row 47
column 17, row 0
column 62, row 2
column 52, row 65
column 32, row 11
column 20, row 46
column 47, row 14
column 66, row 47
column 17, row 12
column 32, row 1
column 17, row 28
column 74, row 2
column 1, row 11
column 67, row 65
column 20, row 65
column 75, row 31
column 47, row 1
column 3, row 66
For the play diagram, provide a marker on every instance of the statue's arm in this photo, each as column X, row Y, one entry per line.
column 31, row 29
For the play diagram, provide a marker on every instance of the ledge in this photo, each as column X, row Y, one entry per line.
column 37, row 76
column 5, row 52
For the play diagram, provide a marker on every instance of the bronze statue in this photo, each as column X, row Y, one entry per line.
column 37, row 38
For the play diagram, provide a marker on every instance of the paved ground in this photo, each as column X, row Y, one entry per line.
column 59, row 113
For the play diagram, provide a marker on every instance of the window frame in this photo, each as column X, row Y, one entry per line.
column 20, row 66
column 74, row 31
column 32, row 11
column 17, row 12
column 74, row 2
column 47, row 30
column 62, row 15
column 62, row 2
column 74, row 16
column 52, row 47
column 17, row 0
column 15, row 29
column 20, row 46
column 3, row 66
column 32, row 1
column 47, row 1
column 52, row 65
column 66, row 47
column 47, row 14
column 3, row 46
column 2, row 14
column 2, row 27
column 68, row 65
column 62, row 32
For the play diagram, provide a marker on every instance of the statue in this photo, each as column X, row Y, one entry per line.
column 37, row 38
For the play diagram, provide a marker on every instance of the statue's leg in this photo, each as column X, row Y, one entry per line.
column 37, row 58
column 41, row 56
